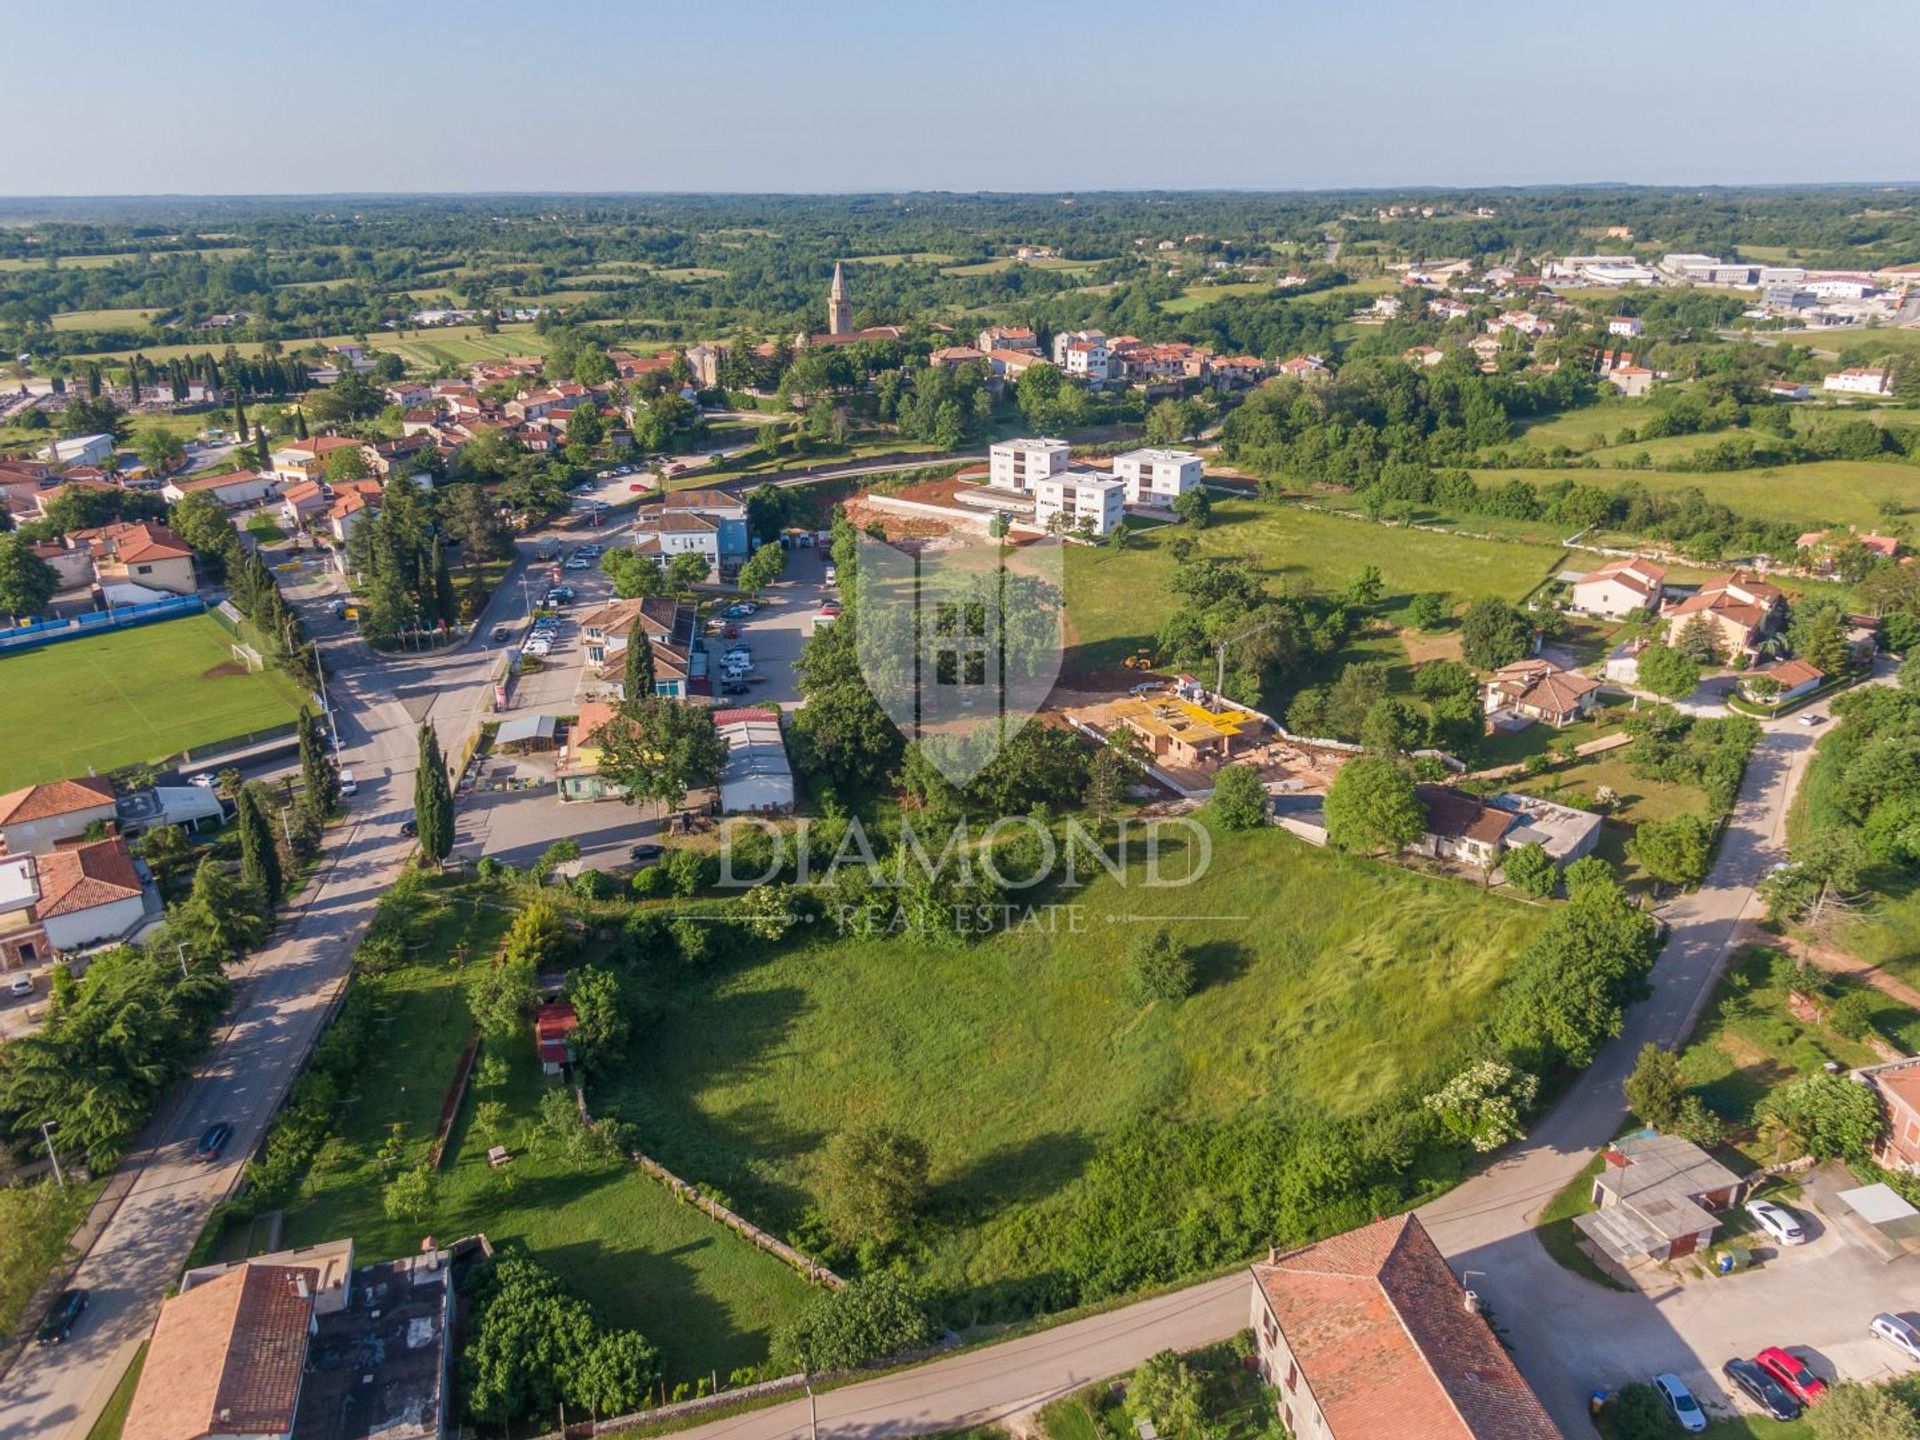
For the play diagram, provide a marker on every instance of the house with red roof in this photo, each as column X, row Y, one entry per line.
column 142, row 553
column 553, row 1027
column 1742, row 610
column 1537, row 689
column 1620, row 587
column 36, row 819
column 1369, row 1336
column 88, row 894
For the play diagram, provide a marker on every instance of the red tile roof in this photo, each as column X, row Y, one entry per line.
column 86, row 876
column 1380, row 1329
column 1455, row 815
column 227, row 1357
column 54, row 797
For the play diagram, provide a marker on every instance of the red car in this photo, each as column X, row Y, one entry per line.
column 1792, row 1372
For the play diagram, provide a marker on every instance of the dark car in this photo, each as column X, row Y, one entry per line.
column 214, row 1141
column 1762, row 1389
column 646, row 854
column 62, row 1316
column 501, row 634
column 409, row 829
column 733, row 687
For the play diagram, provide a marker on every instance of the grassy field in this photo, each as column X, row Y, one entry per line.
column 1007, row 262
column 706, row 1297
column 102, row 319
column 127, row 697
column 1116, row 600
column 1637, row 801
column 1195, row 296
column 1012, row 1060
column 100, row 262
column 461, row 343
column 1825, row 492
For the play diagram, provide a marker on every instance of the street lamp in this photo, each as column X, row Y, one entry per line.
column 47, row 1127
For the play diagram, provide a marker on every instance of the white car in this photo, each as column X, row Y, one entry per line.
column 1812, row 719
column 1897, row 1333
column 204, row 780
column 1680, row 1401
column 348, row 785
column 1777, row 1221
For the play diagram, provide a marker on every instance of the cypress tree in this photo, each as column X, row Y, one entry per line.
column 133, row 381
column 259, row 861
column 432, row 799
column 323, row 786
column 240, row 427
column 261, row 453
column 639, row 679
column 442, row 583
column 93, row 382
column 300, row 424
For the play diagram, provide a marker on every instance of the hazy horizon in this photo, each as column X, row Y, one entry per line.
column 856, row 97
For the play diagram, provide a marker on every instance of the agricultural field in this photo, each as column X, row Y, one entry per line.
column 1195, row 296
column 1823, row 492
column 129, row 697
column 1012, row 1060
column 103, row 319
column 1007, row 262
column 705, row 1296
column 1106, row 589
column 456, row 344
column 100, row 262
column 919, row 257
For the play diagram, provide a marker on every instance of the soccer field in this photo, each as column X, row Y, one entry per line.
column 129, row 697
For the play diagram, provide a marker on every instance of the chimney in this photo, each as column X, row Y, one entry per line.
column 300, row 1285
column 1273, row 1254
column 1470, row 1302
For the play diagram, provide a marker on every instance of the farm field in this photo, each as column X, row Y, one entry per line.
column 705, row 1296
column 100, row 262
column 1007, row 262
column 129, row 697
column 102, row 319
column 469, row 342
column 1195, row 296
column 1012, row 1060
column 918, row 257
column 1113, row 598
column 1824, row 492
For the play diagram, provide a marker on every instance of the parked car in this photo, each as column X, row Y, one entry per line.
column 1897, row 1333
column 214, row 1141
column 1680, row 1403
column 1761, row 1388
column 20, row 985
column 579, row 562
column 1811, row 719
column 410, row 829
column 732, row 687
column 1792, row 1373
column 501, row 634
column 637, row 486
column 62, row 1316
column 204, row 780
column 348, row 785
column 646, row 854
column 560, row 594
column 1777, row 1221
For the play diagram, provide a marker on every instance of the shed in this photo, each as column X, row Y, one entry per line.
column 528, row 733
column 755, row 778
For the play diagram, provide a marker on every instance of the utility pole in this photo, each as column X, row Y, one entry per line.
column 813, row 1414
column 47, row 1127
column 180, row 949
column 1220, row 654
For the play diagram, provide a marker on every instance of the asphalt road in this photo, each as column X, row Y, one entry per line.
column 283, row 994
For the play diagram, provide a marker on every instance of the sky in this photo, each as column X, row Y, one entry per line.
column 229, row 97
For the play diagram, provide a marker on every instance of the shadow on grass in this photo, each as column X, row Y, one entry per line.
column 1021, row 1174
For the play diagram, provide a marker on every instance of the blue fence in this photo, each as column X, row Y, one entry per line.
column 95, row 622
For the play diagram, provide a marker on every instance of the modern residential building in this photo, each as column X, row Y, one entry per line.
column 1016, row 464
column 1368, row 1335
column 1086, row 502
column 1620, row 587
column 1158, row 477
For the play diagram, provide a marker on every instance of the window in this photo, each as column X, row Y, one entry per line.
column 1293, row 1376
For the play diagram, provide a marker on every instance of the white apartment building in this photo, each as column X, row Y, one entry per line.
column 1089, row 360
column 1087, row 501
column 1157, row 477
column 1016, row 464
column 1074, row 337
column 1857, row 382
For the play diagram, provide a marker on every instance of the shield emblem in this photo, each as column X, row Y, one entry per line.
column 960, row 641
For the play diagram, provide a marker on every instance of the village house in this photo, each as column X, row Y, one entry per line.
column 1859, row 381
column 1425, row 356
column 1008, row 337
column 1187, row 734
column 36, row 819
column 1477, row 832
column 1012, row 364
column 1237, row 372
column 1088, row 360
column 79, row 450
column 1787, row 389
column 1310, row 368
column 1896, row 1084
column 1158, row 477
column 1631, row 380
column 1818, row 547
column 1626, row 325
column 1742, row 610
column 1525, row 321
column 1537, row 689
column 89, row 894
column 302, row 501
column 139, row 560
column 23, row 942
column 1369, row 1334
column 952, row 357
column 1486, row 349
column 243, row 487
column 670, row 628
column 1793, row 678
column 1620, row 587
column 72, row 566
column 352, row 501
column 1444, row 308
column 1017, row 464
column 307, row 459
column 1655, row 1200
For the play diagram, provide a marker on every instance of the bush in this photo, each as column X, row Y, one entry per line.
column 1239, row 798
column 1530, row 870
column 872, row 1317
column 1639, row 1413
column 873, row 1181
column 1851, row 1016
column 1158, row 968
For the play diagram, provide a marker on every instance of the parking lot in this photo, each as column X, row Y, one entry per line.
column 778, row 630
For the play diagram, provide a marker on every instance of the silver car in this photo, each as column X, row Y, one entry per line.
column 1897, row 1333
